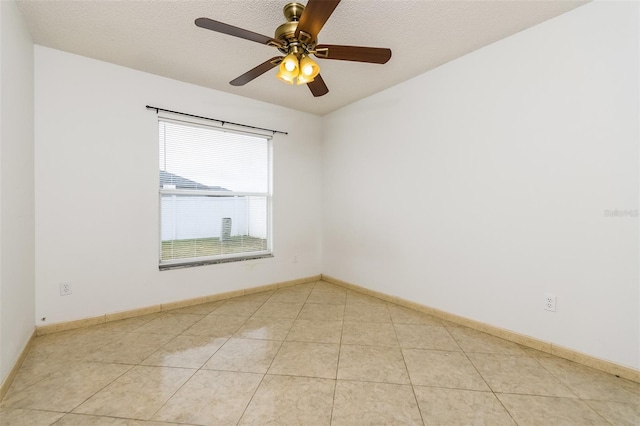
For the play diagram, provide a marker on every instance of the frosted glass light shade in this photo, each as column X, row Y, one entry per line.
column 288, row 69
column 308, row 68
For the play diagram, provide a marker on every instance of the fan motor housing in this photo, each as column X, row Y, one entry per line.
column 287, row 31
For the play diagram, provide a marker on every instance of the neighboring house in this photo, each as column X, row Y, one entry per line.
column 186, row 217
column 167, row 178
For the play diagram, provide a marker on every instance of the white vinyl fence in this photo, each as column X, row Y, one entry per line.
column 189, row 217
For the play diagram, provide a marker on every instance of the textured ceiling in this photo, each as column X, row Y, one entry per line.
column 160, row 37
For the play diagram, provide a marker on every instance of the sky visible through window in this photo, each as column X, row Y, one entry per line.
column 214, row 158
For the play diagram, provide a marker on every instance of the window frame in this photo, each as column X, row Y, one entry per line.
column 268, row 195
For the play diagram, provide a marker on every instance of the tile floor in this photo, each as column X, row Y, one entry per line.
column 312, row 354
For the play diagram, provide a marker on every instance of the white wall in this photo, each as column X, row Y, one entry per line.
column 17, row 291
column 96, row 174
column 510, row 156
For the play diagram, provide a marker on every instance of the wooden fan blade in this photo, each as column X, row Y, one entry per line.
column 256, row 72
column 318, row 87
column 313, row 18
column 223, row 28
column 374, row 55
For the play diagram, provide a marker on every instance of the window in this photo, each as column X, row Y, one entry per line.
column 215, row 195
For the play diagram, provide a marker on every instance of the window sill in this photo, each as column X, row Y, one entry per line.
column 190, row 264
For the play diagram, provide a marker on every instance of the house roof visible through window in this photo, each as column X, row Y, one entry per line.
column 167, row 178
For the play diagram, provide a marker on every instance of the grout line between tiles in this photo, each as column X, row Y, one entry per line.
column 567, row 385
column 413, row 390
column 481, row 376
column 173, row 394
column 273, row 359
column 102, row 388
column 586, row 402
column 335, row 384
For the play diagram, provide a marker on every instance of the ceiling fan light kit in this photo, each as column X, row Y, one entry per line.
column 302, row 72
column 297, row 39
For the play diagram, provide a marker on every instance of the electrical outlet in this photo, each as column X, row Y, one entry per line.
column 65, row 289
column 294, row 259
column 549, row 302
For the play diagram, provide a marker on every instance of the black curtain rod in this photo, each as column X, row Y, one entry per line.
column 215, row 119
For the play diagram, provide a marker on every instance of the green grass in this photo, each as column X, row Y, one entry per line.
column 181, row 249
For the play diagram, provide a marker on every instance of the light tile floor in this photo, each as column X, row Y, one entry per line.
column 312, row 354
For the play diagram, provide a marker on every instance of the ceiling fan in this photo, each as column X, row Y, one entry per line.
column 297, row 39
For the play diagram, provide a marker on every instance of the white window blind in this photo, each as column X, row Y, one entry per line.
column 214, row 190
